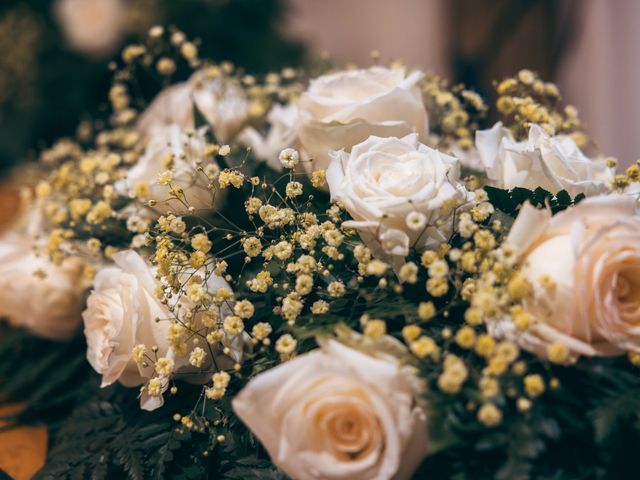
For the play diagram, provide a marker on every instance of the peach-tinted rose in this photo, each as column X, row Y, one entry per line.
column 336, row 413
column 584, row 268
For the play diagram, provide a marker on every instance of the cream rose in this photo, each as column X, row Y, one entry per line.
column 26, row 273
column 123, row 311
column 553, row 163
column 343, row 109
column 221, row 101
column 37, row 294
column 187, row 150
column 336, row 413
column 384, row 180
column 584, row 268
column 93, row 27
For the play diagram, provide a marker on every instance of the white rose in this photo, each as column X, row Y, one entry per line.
column 37, row 294
column 187, row 149
column 121, row 313
column 93, row 27
column 283, row 130
column 591, row 255
column 336, row 413
column 553, row 163
column 221, row 101
column 383, row 180
column 343, row 109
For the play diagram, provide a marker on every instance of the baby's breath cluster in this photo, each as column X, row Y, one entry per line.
column 287, row 253
column 454, row 112
column 525, row 99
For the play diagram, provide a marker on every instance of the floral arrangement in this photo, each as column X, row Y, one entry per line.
column 326, row 274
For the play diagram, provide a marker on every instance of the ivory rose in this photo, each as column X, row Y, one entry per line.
column 584, row 268
column 383, row 180
column 37, row 294
column 553, row 163
column 220, row 99
column 343, row 109
column 186, row 149
column 122, row 312
column 336, row 413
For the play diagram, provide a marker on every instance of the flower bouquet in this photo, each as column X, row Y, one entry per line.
column 325, row 274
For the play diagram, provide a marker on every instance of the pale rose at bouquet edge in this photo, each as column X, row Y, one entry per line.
column 58, row 288
column 27, row 272
column 584, row 268
column 123, row 315
column 553, row 163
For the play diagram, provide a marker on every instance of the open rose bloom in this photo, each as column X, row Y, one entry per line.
column 336, row 413
column 383, row 180
column 343, row 109
column 584, row 267
column 553, row 163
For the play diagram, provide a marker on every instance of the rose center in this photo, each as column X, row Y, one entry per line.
column 626, row 291
column 350, row 432
column 622, row 288
column 404, row 177
column 349, row 428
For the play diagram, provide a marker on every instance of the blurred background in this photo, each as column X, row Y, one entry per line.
column 53, row 66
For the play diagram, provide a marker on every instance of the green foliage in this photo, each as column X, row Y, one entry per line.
column 509, row 201
column 50, row 377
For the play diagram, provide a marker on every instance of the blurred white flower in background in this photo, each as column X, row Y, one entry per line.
column 36, row 293
column 92, row 27
column 219, row 99
column 186, row 151
column 283, row 121
column 345, row 108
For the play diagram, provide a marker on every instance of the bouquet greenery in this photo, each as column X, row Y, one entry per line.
column 325, row 274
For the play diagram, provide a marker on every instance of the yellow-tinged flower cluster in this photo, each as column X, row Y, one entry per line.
column 454, row 112
column 79, row 195
column 526, row 99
